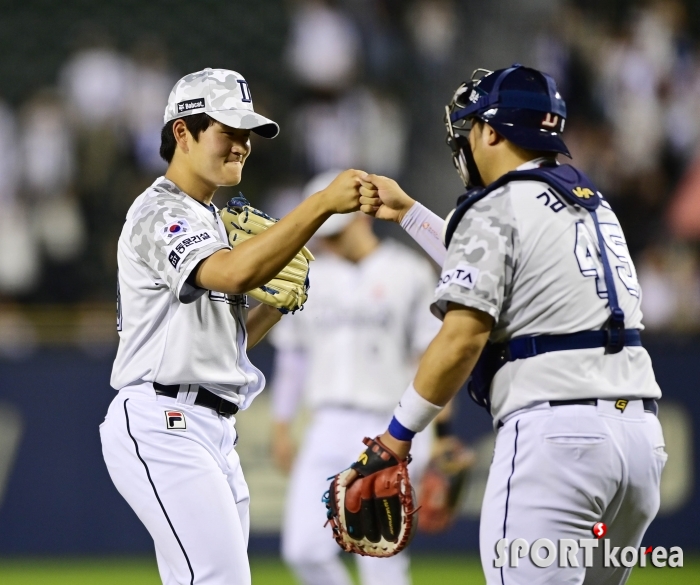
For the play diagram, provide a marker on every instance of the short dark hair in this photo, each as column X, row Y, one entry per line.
column 196, row 124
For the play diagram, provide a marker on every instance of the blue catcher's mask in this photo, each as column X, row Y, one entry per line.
column 521, row 104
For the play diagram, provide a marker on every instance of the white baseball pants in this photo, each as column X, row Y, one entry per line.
column 332, row 442
column 185, row 485
column 558, row 470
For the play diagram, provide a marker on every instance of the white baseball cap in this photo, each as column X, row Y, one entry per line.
column 223, row 95
column 337, row 222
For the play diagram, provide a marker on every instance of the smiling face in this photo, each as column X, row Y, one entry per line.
column 218, row 155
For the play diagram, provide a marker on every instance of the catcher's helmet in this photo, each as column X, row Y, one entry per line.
column 520, row 103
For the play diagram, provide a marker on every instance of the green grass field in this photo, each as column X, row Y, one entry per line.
column 432, row 570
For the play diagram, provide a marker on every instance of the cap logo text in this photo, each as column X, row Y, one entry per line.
column 550, row 121
column 188, row 105
column 245, row 91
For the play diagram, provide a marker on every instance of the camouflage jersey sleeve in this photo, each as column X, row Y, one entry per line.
column 481, row 258
column 171, row 239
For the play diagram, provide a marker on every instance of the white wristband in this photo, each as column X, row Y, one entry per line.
column 414, row 412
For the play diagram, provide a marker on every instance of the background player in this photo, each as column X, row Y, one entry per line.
column 351, row 352
column 181, row 367
column 578, row 440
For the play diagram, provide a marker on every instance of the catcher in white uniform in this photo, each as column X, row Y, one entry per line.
column 351, row 353
column 181, row 368
column 540, row 305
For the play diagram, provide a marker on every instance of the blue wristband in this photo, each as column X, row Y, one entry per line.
column 400, row 432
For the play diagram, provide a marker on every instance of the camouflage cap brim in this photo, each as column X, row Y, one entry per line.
column 247, row 120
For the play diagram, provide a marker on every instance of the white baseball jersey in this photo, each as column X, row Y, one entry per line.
column 363, row 327
column 530, row 260
column 170, row 331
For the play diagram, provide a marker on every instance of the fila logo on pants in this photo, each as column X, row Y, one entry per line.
column 175, row 420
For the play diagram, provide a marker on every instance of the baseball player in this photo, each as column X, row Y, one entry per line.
column 181, row 368
column 351, row 352
column 540, row 304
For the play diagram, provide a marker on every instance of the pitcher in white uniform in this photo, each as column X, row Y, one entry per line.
column 541, row 306
column 181, row 368
column 348, row 356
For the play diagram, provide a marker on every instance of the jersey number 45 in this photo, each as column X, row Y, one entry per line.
column 590, row 264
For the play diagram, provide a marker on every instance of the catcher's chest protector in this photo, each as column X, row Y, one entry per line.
column 576, row 189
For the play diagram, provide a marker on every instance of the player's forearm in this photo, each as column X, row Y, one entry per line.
column 445, row 415
column 257, row 260
column 450, row 358
column 444, row 368
column 260, row 320
column 263, row 256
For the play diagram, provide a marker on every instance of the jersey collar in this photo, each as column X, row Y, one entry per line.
column 534, row 163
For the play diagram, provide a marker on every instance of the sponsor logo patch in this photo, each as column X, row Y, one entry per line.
column 462, row 275
column 198, row 238
column 175, row 420
column 177, row 252
column 174, row 259
column 188, row 105
column 582, row 192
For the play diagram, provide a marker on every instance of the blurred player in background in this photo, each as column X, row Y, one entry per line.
column 541, row 305
column 182, row 369
column 351, row 352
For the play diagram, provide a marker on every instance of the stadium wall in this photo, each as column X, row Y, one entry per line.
column 56, row 496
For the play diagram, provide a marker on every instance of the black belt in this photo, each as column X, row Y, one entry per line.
column 204, row 398
column 649, row 405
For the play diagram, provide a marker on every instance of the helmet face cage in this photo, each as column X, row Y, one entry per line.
column 455, row 141
column 467, row 94
column 457, row 132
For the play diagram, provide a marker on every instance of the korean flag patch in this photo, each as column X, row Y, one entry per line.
column 175, row 420
column 175, row 229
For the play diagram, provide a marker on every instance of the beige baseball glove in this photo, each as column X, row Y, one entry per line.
column 288, row 290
